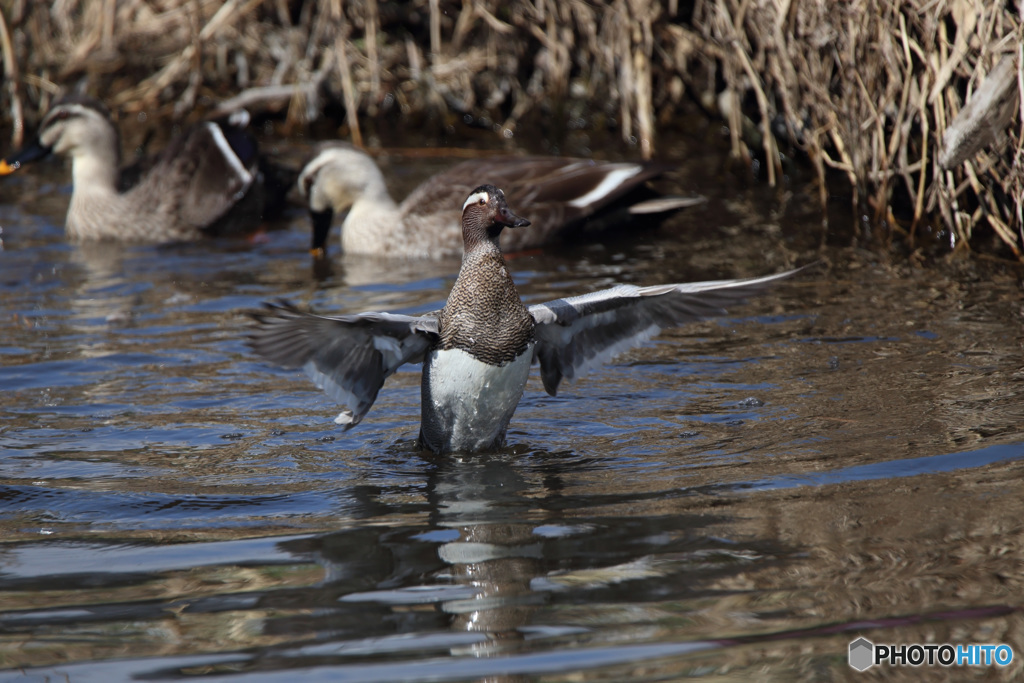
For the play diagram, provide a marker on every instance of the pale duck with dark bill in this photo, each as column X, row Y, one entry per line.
column 207, row 181
column 564, row 197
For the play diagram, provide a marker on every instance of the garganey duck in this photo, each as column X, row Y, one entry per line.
column 477, row 350
column 560, row 195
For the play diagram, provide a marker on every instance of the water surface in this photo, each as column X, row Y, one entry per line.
column 735, row 500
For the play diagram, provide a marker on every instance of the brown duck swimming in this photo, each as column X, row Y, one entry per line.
column 206, row 182
column 559, row 194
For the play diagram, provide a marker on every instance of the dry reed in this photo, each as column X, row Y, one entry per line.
column 869, row 88
column 875, row 89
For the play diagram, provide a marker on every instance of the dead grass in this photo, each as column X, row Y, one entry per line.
column 874, row 89
column 868, row 88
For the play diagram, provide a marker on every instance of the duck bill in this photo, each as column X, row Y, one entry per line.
column 321, row 229
column 25, row 155
column 510, row 220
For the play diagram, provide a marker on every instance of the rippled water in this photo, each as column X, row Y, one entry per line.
column 735, row 500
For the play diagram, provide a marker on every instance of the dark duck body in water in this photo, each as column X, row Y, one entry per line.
column 477, row 350
column 562, row 196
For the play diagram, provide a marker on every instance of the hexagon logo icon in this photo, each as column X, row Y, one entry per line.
column 862, row 654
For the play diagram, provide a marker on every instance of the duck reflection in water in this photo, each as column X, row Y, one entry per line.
column 496, row 553
column 462, row 581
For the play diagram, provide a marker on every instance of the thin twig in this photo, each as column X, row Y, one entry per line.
column 11, row 74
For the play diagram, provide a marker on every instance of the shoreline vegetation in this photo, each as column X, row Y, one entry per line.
column 914, row 104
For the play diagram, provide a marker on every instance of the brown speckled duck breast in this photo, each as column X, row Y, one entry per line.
column 478, row 349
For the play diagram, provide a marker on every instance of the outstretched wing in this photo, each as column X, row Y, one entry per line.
column 576, row 333
column 349, row 356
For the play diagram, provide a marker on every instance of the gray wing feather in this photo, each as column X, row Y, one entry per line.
column 213, row 178
column 349, row 356
column 576, row 333
column 559, row 191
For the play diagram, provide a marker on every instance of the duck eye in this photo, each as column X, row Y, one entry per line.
column 62, row 114
column 482, row 201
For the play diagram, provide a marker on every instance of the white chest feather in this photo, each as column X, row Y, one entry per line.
column 467, row 404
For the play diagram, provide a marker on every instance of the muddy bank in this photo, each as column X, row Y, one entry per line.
column 872, row 91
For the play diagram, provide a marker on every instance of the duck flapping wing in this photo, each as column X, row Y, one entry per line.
column 347, row 356
column 578, row 332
